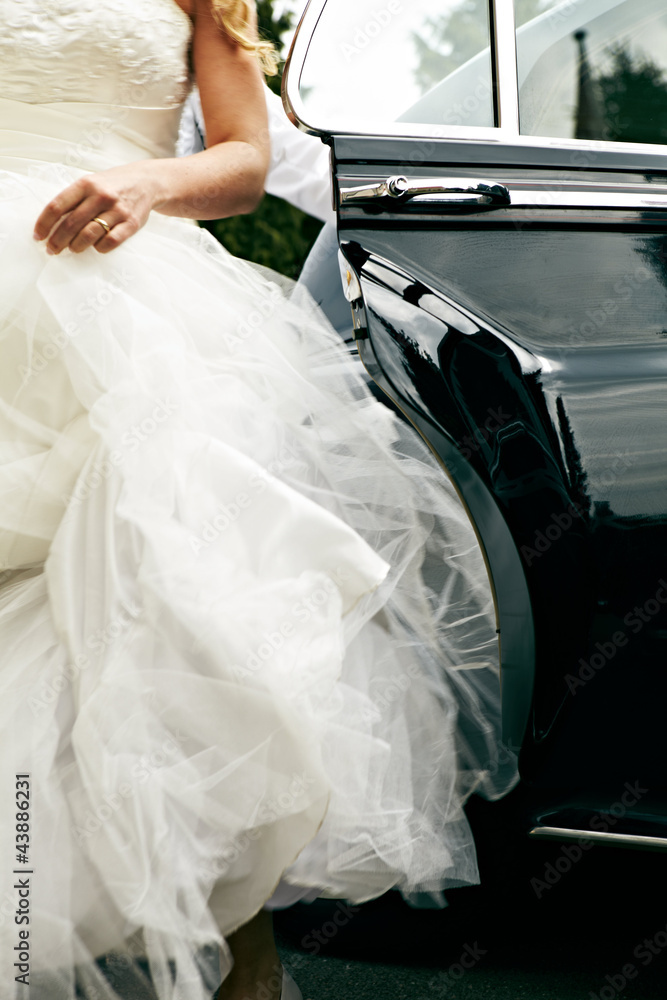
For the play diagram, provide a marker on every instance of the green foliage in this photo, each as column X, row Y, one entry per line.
column 273, row 28
column 634, row 94
column 277, row 234
column 631, row 92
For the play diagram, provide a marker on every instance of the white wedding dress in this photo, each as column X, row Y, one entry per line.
column 245, row 626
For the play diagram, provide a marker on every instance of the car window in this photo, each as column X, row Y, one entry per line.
column 373, row 62
column 593, row 69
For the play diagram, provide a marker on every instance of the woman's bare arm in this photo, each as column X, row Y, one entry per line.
column 230, row 180
column 225, row 179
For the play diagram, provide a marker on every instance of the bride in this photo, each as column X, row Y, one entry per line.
column 248, row 653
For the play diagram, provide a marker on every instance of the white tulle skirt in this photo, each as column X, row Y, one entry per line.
column 246, row 628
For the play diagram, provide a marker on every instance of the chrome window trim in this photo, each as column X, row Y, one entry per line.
column 556, row 199
column 551, row 194
column 503, row 34
column 507, row 133
column 518, row 184
column 599, row 837
column 292, row 103
column 545, row 193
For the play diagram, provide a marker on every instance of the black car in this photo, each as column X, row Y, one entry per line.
column 500, row 179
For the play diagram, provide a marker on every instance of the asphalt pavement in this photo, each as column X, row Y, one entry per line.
column 546, row 924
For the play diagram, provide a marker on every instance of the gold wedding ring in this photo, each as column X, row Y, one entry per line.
column 104, row 224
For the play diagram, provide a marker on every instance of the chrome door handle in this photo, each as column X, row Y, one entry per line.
column 435, row 189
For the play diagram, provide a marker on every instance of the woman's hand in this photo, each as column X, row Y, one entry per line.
column 121, row 197
column 224, row 180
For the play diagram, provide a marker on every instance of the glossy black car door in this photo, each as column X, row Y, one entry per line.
column 509, row 290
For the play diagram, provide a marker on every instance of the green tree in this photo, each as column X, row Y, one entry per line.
column 277, row 234
column 634, row 96
column 273, row 28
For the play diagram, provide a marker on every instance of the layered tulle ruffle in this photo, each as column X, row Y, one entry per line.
column 222, row 664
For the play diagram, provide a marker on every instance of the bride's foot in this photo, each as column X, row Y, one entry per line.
column 257, row 973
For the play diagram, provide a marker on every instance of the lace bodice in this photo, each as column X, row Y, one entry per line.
column 131, row 53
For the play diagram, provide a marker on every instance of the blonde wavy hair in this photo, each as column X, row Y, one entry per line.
column 238, row 19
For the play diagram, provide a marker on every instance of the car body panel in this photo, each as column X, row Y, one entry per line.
column 527, row 342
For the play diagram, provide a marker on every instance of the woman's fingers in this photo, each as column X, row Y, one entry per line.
column 91, row 234
column 100, row 210
column 64, row 203
column 77, row 230
column 95, row 235
column 118, row 235
column 68, row 221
